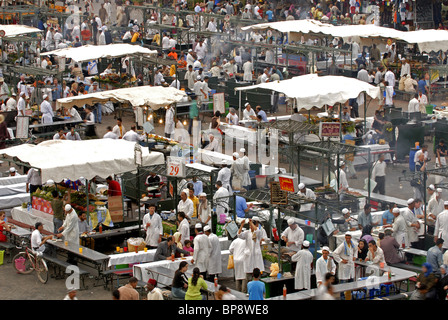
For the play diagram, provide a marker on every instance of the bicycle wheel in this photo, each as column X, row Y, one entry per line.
column 27, row 265
column 42, row 270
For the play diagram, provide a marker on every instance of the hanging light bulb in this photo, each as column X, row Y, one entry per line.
column 161, row 121
column 185, row 122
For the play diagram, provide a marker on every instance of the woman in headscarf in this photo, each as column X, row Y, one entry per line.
column 177, row 237
column 427, row 278
column 442, row 284
column 363, row 249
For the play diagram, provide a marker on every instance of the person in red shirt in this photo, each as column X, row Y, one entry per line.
column 114, row 187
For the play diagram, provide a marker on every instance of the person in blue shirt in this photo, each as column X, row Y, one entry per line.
column 241, row 207
column 270, row 15
column 255, row 288
column 260, row 112
column 435, row 256
column 388, row 217
column 346, row 136
column 423, row 84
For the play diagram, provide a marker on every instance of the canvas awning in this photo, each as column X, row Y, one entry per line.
column 92, row 52
column 313, row 91
column 13, row 30
column 154, row 97
column 66, row 159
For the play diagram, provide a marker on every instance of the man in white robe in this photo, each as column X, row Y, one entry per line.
column 221, row 200
column 304, row 259
column 202, row 250
column 325, row 264
column 224, row 175
column 184, row 227
column 293, row 235
column 152, row 223
column 215, row 263
column 237, row 249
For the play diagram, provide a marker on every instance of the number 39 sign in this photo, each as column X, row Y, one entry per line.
column 175, row 166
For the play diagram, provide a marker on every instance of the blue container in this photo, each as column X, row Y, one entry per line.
column 411, row 159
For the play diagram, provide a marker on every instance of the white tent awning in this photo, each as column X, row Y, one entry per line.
column 66, row 159
column 154, row 97
column 313, row 91
column 91, row 52
column 12, row 30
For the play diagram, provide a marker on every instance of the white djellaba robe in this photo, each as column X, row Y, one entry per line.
column 400, row 231
column 252, row 252
column 47, row 112
column 224, row 176
column 154, row 230
column 202, row 249
column 346, row 271
column 409, row 218
column 215, row 263
column 246, row 176
column 323, row 267
column 237, row 248
column 302, row 279
column 237, row 170
column 71, row 228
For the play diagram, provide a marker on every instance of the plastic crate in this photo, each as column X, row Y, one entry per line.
column 122, row 266
column 418, row 260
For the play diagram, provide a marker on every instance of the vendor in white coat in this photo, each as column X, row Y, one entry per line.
column 304, row 259
column 345, row 255
column 152, row 223
column 215, row 263
column 70, row 228
column 293, row 235
column 185, row 204
column 237, row 172
column 184, row 227
column 47, row 111
column 202, row 250
column 307, row 194
column 400, row 230
column 237, row 249
column 325, row 264
column 224, row 175
column 221, row 199
column 343, row 183
column 411, row 222
column 169, row 122
column 246, row 166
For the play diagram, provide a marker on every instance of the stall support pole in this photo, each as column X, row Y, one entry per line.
column 138, row 197
column 279, row 229
column 87, row 197
column 365, row 112
column 340, row 122
column 369, row 177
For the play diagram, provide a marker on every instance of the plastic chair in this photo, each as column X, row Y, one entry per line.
column 387, row 287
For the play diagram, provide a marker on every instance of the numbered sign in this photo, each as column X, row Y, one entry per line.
column 175, row 167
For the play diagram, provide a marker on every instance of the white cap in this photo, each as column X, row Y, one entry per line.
column 22, row 93
column 12, row 169
column 68, row 207
column 256, row 218
column 186, row 191
column 224, row 161
column 198, row 226
column 236, row 155
column 301, row 185
column 291, row 221
column 246, row 104
column 396, row 210
column 341, row 163
column 198, row 78
column 45, row 96
column 190, row 50
column 431, row 186
column 345, row 211
column 326, row 248
column 207, row 227
column 202, row 194
column 306, row 243
column 411, row 200
column 348, row 233
column 242, row 150
column 445, row 203
column 439, row 190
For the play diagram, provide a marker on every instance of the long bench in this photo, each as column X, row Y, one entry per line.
column 59, row 267
column 109, row 275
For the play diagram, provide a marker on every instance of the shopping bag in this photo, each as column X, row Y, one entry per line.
column 372, row 184
column 230, row 263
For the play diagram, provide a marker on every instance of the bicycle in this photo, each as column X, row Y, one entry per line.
column 32, row 262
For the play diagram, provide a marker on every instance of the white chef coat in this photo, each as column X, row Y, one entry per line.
column 323, row 267
column 413, row 105
column 212, row 146
column 116, row 130
column 215, row 263
column 435, row 207
column 169, row 121
column 389, row 76
column 410, row 217
column 441, row 227
column 343, row 183
column 347, row 270
column 246, row 167
column 186, row 206
column 21, row 105
column 71, row 227
column 205, row 213
column 248, row 67
column 248, row 114
column 223, row 203
column 237, row 172
column 302, row 279
column 400, row 231
column 110, row 135
column 224, row 176
column 237, row 248
column 297, row 236
column 133, row 136
column 47, row 112
column 184, row 230
column 405, row 69
column 309, row 194
column 202, row 249
column 154, row 230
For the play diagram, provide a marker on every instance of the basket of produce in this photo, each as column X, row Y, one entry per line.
column 134, row 243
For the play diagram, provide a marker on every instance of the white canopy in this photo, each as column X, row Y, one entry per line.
column 427, row 40
column 66, row 159
column 154, row 97
column 92, row 52
column 12, row 30
column 313, row 91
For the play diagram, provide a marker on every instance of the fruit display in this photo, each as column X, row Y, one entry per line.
column 161, row 139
